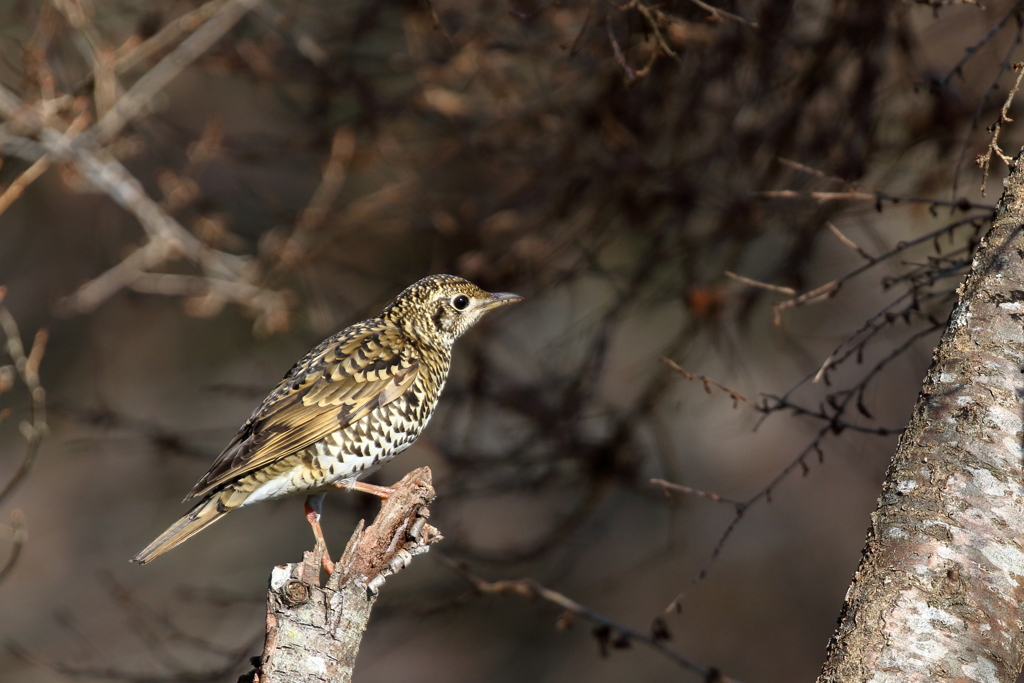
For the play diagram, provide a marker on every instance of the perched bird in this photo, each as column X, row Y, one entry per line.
column 347, row 407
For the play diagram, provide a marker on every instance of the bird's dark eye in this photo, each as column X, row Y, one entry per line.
column 460, row 302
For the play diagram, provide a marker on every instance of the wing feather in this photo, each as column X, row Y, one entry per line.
column 364, row 367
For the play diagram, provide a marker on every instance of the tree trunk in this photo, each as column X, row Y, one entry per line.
column 313, row 633
column 938, row 595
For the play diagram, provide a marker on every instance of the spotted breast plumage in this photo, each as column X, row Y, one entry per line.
column 348, row 406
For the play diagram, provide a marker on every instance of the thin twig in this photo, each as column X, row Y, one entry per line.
column 710, row 495
column 834, row 426
column 762, row 285
column 26, row 178
column 1003, row 66
column 973, row 49
column 653, row 23
column 27, row 367
column 630, row 75
column 167, row 35
column 39, row 166
column 140, row 95
column 736, row 397
column 830, row 289
column 877, row 197
column 865, row 332
column 848, row 242
column 19, row 535
column 532, row 590
column 816, row 295
column 804, row 168
column 720, row 14
column 773, row 404
column 167, row 237
column 985, row 160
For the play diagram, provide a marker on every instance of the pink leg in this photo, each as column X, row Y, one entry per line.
column 313, row 517
column 381, row 491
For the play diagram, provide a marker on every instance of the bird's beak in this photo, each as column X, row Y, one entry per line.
column 499, row 299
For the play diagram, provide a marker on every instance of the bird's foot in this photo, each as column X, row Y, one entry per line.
column 384, row 492
column 313, row 517
column 325, row 557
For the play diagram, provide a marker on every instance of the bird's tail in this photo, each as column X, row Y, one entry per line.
column 198, row 518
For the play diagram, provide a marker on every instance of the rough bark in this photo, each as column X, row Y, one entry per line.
column 939, row 594
column 313, row 632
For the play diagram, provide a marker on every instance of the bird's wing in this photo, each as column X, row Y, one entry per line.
column 339, row 382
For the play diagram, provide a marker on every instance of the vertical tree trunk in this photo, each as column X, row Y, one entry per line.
column 313, row 633
column 939, row 594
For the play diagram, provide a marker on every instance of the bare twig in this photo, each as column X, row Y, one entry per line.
column 761, row 285
column 850, row 243
column 985, row 160
column 804, row 168
column 655, row 18
column 630, row 74
column 830, row 289
column 720, row 14
column 19, row 534
column 1003, row 66
column 167, row 238
column 840, row 402
column 668, row 487
column 736, row 397
column 39, row 166
column 608, row 631
column 816, row 295
column 27, row 177
column 877, row 197
column 166, row 36
column 27, row 367
column 773, row 404
column 973, row 49
column 139, row 96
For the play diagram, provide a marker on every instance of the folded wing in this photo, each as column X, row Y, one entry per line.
column 339, row 382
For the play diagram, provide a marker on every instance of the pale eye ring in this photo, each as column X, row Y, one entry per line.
column 460, row 302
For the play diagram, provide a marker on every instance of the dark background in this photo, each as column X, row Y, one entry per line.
column 505, row 142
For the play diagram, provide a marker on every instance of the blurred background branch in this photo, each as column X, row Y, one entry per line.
column 23, row 367
column 178, row 176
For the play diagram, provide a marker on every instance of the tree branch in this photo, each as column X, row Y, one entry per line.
column 313, row 632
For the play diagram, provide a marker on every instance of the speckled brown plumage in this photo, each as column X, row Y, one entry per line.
column 348, row 406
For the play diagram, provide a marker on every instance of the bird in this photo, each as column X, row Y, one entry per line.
column 352, row 403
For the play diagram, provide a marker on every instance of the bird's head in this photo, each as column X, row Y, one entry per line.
column 440, row 308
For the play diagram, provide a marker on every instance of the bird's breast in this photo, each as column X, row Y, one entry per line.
column 361, row 447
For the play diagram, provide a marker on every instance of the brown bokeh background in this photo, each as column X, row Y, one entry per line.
column 505, row 142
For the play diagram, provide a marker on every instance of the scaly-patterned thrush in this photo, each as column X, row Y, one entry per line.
column 348, row 406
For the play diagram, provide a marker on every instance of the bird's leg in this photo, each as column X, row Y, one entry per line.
column 382, row 491
column 314, row 504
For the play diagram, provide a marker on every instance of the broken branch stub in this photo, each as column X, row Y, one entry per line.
column 313, row 632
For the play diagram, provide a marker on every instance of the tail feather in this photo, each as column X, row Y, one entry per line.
column 198, row 518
